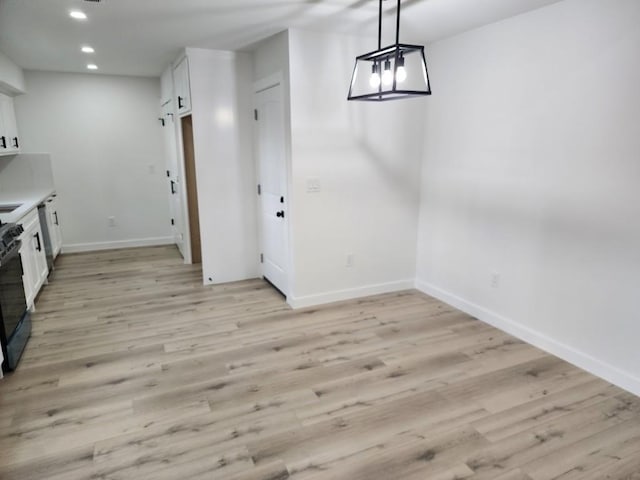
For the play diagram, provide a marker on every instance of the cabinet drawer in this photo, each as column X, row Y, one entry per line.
column 28, row 221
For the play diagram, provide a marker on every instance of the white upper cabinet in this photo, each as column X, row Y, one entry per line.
column 181, row 86
column 166, row 86
column 9, row 138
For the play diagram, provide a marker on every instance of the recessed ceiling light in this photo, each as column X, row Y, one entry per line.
column 88, row 49
column 78, row 15
column 92, row 66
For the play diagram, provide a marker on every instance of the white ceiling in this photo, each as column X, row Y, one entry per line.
column 140, row 37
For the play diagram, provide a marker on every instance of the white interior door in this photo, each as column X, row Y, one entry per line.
column 272, row 177
column 173, row 177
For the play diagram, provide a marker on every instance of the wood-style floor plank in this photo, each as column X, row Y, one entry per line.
column 135, row 370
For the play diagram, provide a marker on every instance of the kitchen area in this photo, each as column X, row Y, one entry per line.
column 99, row 137
column 30, row 233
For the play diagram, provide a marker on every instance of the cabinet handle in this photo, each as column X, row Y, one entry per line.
column 173, row 190
column 37, row 237
column 3, row 142
column 280, row 214
column 180, row 105
column 55, row 214
column 15, row 142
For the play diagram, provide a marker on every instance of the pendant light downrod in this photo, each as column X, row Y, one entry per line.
column 397, row 24
column 380, row 25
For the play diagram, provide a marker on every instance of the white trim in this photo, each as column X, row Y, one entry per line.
column 212, row 53
column 182, row 186
column 268, row 82
column 581, row 359
column 138, row 242
column 348, row 294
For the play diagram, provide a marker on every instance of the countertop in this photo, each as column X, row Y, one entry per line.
column 28, row 200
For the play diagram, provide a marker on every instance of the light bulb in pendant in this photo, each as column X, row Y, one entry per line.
column 401, row 72
column 387, row 75
column 374, row 81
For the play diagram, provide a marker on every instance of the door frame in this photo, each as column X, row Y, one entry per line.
column 265, row 83
column 182, row 189
column 190, row 189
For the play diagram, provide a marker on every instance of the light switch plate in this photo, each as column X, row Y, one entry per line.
column 313, row 185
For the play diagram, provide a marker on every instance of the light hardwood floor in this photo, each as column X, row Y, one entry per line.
column 137, row 371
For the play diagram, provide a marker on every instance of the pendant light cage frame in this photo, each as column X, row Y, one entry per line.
column 381, row 58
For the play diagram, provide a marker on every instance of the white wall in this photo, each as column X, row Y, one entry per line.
column 367, row 159
column 24, row 173
column 11, row 76
column 222, row 111
column 532, row 171
column 271, row 56
column 106, row 149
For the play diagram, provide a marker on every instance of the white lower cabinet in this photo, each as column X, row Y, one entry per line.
column 33, row 256
column 53, row 225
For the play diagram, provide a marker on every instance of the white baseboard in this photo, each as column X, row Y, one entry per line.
column 348, row 294
column 138, row 242
column 591, row 364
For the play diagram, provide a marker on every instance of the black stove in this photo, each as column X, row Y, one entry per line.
column 9, row 233
column 15, row 319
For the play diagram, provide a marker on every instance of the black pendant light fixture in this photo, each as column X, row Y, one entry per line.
column 390, row 73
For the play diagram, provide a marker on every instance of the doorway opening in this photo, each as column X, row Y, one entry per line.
column 186, row 124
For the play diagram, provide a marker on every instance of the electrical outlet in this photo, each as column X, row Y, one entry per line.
column 350, row 260
column 112, row 221
column 495, row 280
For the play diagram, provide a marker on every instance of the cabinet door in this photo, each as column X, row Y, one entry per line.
column 34, row 259
column 28, row 254
column 9, row 141
column 174, row 182
column 28, row 269
column 42, row 269
column 182, row 87
column 166, row 86
column 4, row 134
column 53, row 223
